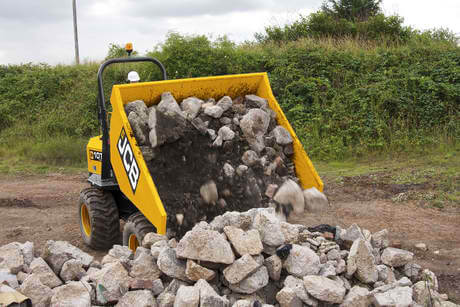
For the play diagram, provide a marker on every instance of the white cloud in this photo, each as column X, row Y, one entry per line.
column 42, row 30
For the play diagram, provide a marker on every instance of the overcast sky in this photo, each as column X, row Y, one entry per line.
column 42, row 30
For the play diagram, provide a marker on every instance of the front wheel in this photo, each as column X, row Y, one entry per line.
column 136, row 227
column 99, row 220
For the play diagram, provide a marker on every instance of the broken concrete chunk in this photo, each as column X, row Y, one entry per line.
column 72, row 270
column 396, row 257
column 297, row 285
column 187, row 297
column 170, row 265
column 385, row 273
column 324, row 289
column 380, row 239
column 151, row 238
column 33, row 288
column 27, row 250
column 225, row 103
column 282, row 136
column 357, row 297
column 253, row 282
column 11, row 258
column 157, row 247
column 208, row 296
column 205, row 245
column 226, row 133
column 112, row 282
column 191, row 107
column 361, row 262
column 269, row 228
column 141, row 298
column 399, row 296
column 139, row 107
column 244, row 242
column 169, row 105
column 254, row 101
column 56, row 253
column 349, row 235
column 240, row 269
column 195, row 272
column 166, row 299
column 208, row 192
column 139, row 128
column 315, row 201
column 214, row 111
column 41, row 269
column 291, row 194
column 274, row 266
column 254, row 126
column 121, row 252
column 302, row 261
column 72, row 294
column 286, row 297
column 145, row 267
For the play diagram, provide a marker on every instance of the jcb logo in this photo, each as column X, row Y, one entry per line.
column 129, row 162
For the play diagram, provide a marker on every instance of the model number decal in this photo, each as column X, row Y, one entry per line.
column 129, row 161
column 95, row 155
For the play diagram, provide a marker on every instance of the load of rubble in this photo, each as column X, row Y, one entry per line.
column 239, row 259
column 209, row 157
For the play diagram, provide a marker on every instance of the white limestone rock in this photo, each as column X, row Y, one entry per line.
column 56, row 253
column 324, row 289
column 205, row 245
column 47, row 277
column 170, row 265
column 244, row 242
column 72, row 294
column 291, row 194
column 187, row 297
column 191, row 106
column 139, row 298
column 302, row 261
column 240, row 269
column 361, row 262
column 396, row 257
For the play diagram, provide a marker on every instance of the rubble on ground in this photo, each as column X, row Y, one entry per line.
column 227, row 262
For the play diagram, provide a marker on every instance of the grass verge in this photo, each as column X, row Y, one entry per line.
column 429, row 178
column 42, row 155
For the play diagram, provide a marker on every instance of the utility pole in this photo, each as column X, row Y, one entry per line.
column 75, row 32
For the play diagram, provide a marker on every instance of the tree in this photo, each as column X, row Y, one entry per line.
column 353, row 10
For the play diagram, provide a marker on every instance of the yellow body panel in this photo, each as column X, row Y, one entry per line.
column 94, row 155
column 138, row 185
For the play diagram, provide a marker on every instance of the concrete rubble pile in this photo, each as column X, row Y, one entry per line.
column 239, row 259
column 244, row 156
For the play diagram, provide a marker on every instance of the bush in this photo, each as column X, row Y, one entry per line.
column 320, row 24
column 343, row 96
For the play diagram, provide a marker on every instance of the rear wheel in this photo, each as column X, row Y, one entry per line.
column 136, row 227
column 99, row 221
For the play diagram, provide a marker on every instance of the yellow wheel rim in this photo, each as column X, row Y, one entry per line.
column 133, row 243
column 85, row 220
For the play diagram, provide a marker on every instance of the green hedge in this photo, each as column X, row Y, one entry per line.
column 344, row 97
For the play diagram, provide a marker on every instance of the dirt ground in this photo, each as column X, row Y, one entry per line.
column 40, row 208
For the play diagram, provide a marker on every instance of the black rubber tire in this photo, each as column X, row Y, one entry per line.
column 138, row 225
column 103, row 216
